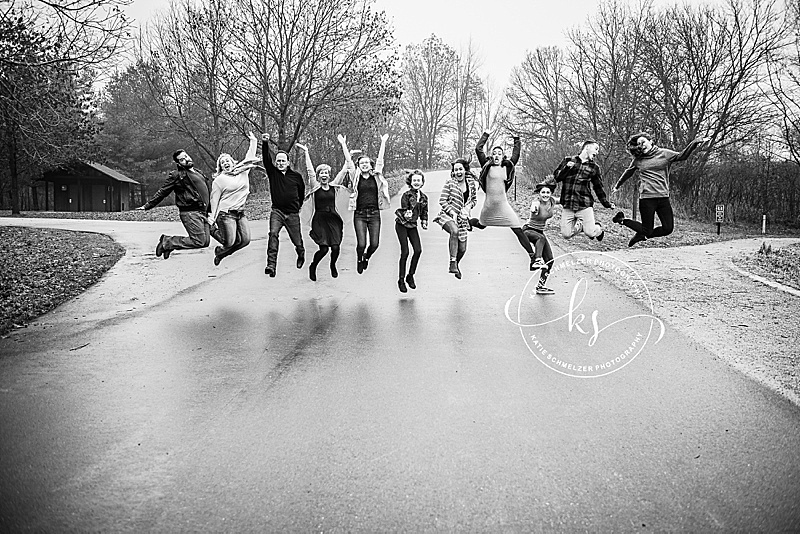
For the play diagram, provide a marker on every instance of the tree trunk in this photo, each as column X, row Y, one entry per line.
column 12, row 168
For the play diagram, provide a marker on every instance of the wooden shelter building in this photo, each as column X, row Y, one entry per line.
column 88, row 186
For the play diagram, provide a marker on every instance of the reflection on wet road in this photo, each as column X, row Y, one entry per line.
column 253, row 404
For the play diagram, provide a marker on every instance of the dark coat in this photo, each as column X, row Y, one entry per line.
column 187, row 197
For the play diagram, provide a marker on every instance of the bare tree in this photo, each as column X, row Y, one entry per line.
column 468, row 96
column 606, row 86
column 86, row 32
column 190, row 78
column 296, row 60
column 709, row 81
column 537, row 98
column 493, row 115
column 784, row 87
column 429, row 70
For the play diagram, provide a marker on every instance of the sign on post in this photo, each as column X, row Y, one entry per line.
column 720, row 216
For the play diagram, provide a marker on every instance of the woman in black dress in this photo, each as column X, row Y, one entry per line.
column 320, row 205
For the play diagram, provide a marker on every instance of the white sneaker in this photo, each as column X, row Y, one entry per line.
column 541, row 290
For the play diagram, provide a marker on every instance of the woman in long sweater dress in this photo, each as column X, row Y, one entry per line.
column 497, row 175
column 229, row 193
column 653, row 164
column 458, row 197
column 320, row 203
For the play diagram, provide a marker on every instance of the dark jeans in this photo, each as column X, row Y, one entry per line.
column 367, row 221
column 277, row 220
column 232, row 231
column 649, row 207
column 523, row 240
column 197, row 227
column 405, row 234
column 541, row 247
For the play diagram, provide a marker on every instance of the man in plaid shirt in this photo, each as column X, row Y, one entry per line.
column 578, row 175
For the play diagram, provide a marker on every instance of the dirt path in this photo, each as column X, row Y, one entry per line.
column 745, row 322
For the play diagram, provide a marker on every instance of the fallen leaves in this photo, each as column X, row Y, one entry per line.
column 780, row 265
column 42, row 268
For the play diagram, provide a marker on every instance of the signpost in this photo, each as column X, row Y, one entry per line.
column 720, row 216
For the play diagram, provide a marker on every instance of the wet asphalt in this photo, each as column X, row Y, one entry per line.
column 175, row 396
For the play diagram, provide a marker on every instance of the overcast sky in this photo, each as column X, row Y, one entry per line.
column 503, row 32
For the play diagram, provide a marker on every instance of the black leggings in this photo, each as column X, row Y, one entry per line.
column 517, row 232
column 649, row 207
column 323, row 249
column 523, row 240
column 405, row 235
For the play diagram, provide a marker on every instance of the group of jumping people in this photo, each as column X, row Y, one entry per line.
column 216, row 208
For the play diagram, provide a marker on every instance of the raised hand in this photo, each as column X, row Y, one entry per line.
column 342, row 139
column 251, row 136
column 265, row 137
column 384, row 137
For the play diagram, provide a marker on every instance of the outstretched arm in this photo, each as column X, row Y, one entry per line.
column 162, row 192
column 686, row 152
column 250, row 157
column 479, row 148
column 348, row 162
column 381, row 152
column 630, row 171
column 266, row 155
column 311, row 174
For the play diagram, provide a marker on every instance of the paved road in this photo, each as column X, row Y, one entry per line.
column 176, row 396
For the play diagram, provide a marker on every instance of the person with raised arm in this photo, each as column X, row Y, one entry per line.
column 458, row 197
column 287, row 189
column 320, row 207
column 497, row 175
column 369, row 194
column 229, row 192
column 192, row 197
column 653, row 165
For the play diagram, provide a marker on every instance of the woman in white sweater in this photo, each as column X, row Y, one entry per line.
column 228, row 194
